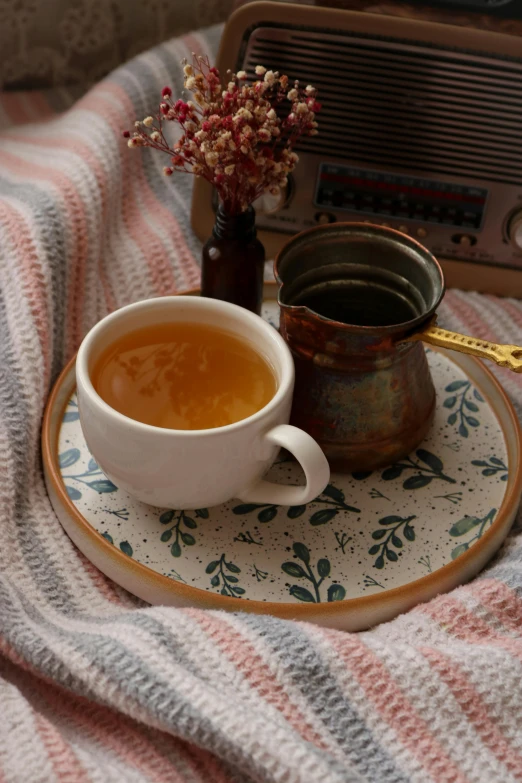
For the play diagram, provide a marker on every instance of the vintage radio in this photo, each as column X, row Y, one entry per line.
column 421, row 125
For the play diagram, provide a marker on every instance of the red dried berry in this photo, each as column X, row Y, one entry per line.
column 126, row 134
column 166, row 92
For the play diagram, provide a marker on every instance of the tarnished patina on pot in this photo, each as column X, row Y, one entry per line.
column 362, row 393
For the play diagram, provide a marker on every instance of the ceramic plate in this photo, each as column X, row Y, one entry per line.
column 369, row 547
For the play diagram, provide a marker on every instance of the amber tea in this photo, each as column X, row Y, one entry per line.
column 183, row 376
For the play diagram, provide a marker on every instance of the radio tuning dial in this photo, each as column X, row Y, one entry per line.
column 515, row 230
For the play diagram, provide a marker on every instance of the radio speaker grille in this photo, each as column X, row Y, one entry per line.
column 426, row 109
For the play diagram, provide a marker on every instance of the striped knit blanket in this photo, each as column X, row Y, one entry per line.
column 96, row 686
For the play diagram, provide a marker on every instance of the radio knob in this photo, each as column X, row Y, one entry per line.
column 514, row 230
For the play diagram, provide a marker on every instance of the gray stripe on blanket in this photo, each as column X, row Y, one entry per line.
column 14, row 414
column 310, row 674
column 51, row 234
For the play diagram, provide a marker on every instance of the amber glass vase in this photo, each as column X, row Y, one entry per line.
column 233, row 261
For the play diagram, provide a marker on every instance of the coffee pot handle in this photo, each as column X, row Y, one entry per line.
column 312, row 460
column 509, row 356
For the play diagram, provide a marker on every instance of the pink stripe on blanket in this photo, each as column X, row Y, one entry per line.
column 260, row 676
column 74, row 208
column 393, row 706
column 66, row 765
column 463, row 310
column 28, row 261
column 114, row 732
column 456, row 620
column 474, row 709
column 501, row 601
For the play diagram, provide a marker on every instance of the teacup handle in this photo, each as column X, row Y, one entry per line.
column 309, row 455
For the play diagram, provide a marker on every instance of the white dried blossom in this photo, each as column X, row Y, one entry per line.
column 132, row 143
column 155, row 136
column 247, row 131
column 241, row 75
column 309, row 90
column 292, row 94
column 190, row 83
column 190, row 126
column 260, row 70
column 242, row 114
column 272, row 114
column 230, row 169
column 137, row 124
column 148, row 121
column 232, row 145
column 264, row 134
column 301, row 108
column 200, row 100
column 188, row 70
column 211, row 159
column 270, row 78
column 231, row 86
column 201, row 134
column 197, row 168
column 244, row 149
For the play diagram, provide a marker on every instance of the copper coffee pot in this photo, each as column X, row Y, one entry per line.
column 356, row 302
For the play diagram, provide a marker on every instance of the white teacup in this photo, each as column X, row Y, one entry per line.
column 197, row 468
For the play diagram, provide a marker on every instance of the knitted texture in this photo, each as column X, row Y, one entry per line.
column 95, row 686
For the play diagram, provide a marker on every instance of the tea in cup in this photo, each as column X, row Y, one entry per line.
column 185, row 401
